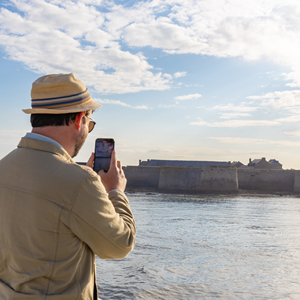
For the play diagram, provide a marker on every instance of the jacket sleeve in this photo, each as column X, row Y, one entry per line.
column 103, row 221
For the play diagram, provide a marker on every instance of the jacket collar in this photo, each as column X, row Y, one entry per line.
column 44, row 146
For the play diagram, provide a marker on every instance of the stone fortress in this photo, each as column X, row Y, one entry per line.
column 178, row 176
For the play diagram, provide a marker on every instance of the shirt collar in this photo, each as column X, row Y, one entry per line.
column 40, row 137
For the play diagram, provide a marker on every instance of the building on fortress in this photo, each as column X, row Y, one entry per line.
column 262, row 163
column 187, row 163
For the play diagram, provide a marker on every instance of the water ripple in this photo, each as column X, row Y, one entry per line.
column 208, row 247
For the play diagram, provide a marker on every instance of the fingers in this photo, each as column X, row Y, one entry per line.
column 115, row 178
column 113, row 161
column 90, row 162
column 119, row 165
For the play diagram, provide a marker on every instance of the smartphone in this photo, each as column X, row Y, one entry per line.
column 103, row 150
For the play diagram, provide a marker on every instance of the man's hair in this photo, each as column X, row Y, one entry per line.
column 42, row 120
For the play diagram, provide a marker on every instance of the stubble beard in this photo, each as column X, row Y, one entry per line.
column 79, row 143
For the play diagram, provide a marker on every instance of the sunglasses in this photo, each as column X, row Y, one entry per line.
column 91, row 124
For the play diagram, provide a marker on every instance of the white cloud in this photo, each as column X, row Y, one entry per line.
column 75, row 39
column 167, row 106
column 292, row 118
column 117, row 102
column 235, row 108
column 233, row 115
column 288, row 100
column 141, row 107
column 285, row 101
column 231, row 111
column 179, row 74
column 188, row 97
column 168, row 76
column 161, row 150
column 263, row 30
column 86, row 36
column 294, row 133
column 107, row 101
column 161, row 34
column 236, row 123
column 236, row 140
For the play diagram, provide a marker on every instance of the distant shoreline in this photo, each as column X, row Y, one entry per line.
column 238, row 193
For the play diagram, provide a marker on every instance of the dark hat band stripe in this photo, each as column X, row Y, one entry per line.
column 63, row 97
column 65, row 105
column 62, row 103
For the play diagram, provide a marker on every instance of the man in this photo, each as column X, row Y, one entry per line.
column 54, row 214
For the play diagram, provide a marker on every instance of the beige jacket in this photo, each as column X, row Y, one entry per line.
column 54, row 217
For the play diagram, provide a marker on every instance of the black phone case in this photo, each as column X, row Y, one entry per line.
column 103, row 154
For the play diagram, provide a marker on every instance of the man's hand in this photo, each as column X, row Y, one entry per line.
column 90, row 162
column 114, row 179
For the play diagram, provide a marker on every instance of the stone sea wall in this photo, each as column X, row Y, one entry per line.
column 266, row 180
column 182, row 179
column 198, row 179
column 211, row 180
column 297, row 182
column 142, row 177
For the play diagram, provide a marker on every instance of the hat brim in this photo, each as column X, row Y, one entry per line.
column 64, row 110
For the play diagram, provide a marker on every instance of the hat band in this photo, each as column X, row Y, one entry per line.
column 61, row 101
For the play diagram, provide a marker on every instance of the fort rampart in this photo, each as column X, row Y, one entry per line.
column 266, row 180
column 211, row 180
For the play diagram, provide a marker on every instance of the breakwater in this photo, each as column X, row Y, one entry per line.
column 211, row 180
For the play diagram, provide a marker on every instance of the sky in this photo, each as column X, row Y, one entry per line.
column 212, row 80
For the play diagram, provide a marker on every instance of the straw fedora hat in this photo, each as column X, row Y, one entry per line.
column 60, row 94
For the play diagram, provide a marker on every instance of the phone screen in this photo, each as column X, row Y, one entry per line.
column 103, row 150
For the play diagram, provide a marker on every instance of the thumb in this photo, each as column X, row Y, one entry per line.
column 101, row 173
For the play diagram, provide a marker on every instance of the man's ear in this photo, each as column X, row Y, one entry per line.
column 78, row 119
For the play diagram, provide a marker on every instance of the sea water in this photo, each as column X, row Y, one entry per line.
column 208, row 247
